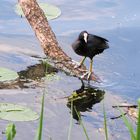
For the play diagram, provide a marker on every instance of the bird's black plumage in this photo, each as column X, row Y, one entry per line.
column 92, row 46
column 89, row 45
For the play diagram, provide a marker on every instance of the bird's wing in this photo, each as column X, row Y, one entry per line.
column 97, row 42
column 101, row 38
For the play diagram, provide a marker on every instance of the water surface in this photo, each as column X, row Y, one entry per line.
column 118, row 67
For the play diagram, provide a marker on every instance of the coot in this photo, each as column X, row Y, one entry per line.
column 89, row 45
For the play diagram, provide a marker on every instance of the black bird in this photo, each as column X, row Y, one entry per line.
column 89, row 45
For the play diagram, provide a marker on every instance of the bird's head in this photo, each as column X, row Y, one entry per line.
column 83, row 36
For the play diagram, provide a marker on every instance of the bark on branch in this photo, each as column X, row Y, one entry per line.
column 45, row 35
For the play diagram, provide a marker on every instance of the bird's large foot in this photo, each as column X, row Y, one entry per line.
column 90, row 76
column 84, row 75
column 87, row 74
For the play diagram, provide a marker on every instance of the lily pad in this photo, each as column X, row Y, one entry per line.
column 14, row 112
column 7, row 75
column 51, row 11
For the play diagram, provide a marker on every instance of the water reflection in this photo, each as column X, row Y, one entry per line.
column 37, row 71
column 84, row 98
column 30, row 77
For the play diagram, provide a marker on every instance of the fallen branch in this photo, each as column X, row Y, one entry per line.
column 128, row 106
column 117, row 117
column 45, row 35
column 129, row 110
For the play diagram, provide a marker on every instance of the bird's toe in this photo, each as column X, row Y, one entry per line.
column 84, row 75
column 77, row 64
column 89, row 74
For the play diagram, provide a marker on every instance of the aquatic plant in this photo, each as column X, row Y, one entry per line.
column 105, row 123
column 134, row 135
column 81, row 123
column 10, row 131
column 71, row 121
column 39, row 131
column 50, row 11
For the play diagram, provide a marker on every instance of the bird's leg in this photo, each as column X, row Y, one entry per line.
column 81, row 62
column 90, row 70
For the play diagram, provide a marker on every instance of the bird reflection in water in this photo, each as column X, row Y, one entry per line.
column 83, row 99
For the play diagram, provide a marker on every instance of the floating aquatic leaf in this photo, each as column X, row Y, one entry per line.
column 7, row 75
column 51, row 11
column 16, row 113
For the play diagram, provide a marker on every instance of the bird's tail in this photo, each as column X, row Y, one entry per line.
column 106, row 46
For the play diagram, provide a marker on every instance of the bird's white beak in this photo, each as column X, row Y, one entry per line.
column 85, row 37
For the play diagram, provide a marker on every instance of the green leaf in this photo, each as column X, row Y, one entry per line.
column 71, row 121
column 128, row 125
column 14, row 112
column 105, row 122
column 7, row 75
column 10, row 131
column 138, row 124
column 81, row 123
column 51, row 11
column 40, row 127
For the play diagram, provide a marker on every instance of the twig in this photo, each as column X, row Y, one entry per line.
column 117, row 117
column 129, row 106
